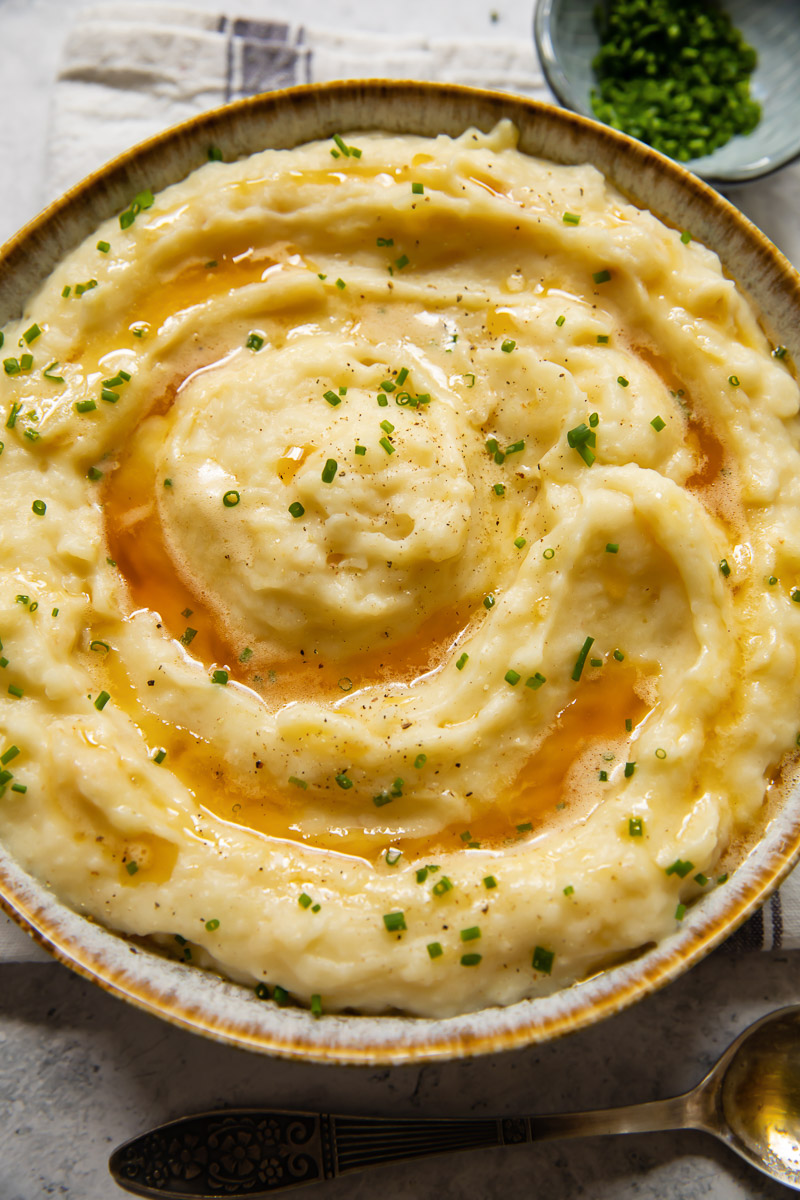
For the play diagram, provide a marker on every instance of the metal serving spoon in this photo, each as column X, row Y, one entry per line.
column 750, row 1100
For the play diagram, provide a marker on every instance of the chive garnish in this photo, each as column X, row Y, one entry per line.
column 296, row 509
column 435, row 950
column 417, row 189
column 219, row 676
column 343, row 781
column 686, row 237
column 19, row 787
column 680, row 867
column 602, row 276
column 571, row 218
column 361, row 450
column 261, row 991
column 97, row 645
column 724, row 567
column 635, row 827
column 30, row 335
column 470, row 960
column 101, row 701
column 10, row 754
column 387, row 445
column 581, row 659
column 48, row 373
column 441, row 886
column 394, row 921
column 734, row 380
column 402, row 261
column 622, row 381
column 612, row 547
column 131, row 867
column 39, row 507
column 231, row 498
column 489, row 601
column 341, row 285
column 628, row 724
column 461, row 662
column 392, row 857
column 508, row 345
column 549, row 553
column 188, row 635
column 618, row 655
column 603, row 776
column 159, row 755
column 316, row 1005
column 84, row 406
column 512, row 677
column 560, row 321
column 104, row 247
column 420, row 761
column 381, row 241
column 387, row 426
column 13, row 690
column 332, row 398
column 630, row 767
column 301, row 783
column 602, row 339
column 520, row 542
column 471, row 934
column 381, row 799
column 535, row 681
column 329, row 470
column 701, row 879
column 304, row 900
column 569, row 890
column 212, row 924
column 543, row 960
column 254, row 341
column 658, row 424
column 499, row 489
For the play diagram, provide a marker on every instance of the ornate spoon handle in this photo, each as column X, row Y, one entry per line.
column 253, row 1152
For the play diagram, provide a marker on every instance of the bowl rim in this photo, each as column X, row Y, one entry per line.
column 561, row 85
column 201, row 1001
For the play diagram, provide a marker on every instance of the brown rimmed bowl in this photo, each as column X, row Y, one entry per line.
column 201, row 1001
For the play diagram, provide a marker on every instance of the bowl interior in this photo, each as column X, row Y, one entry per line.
column 567, row 41
column 202, row 1001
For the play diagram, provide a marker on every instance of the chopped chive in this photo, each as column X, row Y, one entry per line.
column 131, row 867
column 345, row 684
column 622, row 381
column 733, row 380
column 392, row 857
column 435, row 949
column 84, row 406
column 65, row 291
column 159, row 755
column 628, row 724
column 724, row 567
column 39, row 507
column 97, row 645
column 188, row 635
column 382, row 399
column 316, row 1005
column 296, row 509
column 254, row 341
column 489, row 882
column 489, row 601
column 499, row 489
column 680, row 912
column 543, row 960
column 361, row 450
column 341, row 285
column 101, row 701
column 508, row 345
column 304, row 900
column 661, row 753
column 618, row 655
column 388, row 385
column 612, row 547
column 342, row 391
column 212, row 924
column 535, row 681
column 470, row 960
column 343, row 781
column 778, row 352
column 658, row 424
column 109, row 396
column 10, row 754
column 26, row 362
column 569, row 890
column 571, row 218
column 581, row 659
column 420, row 761
column 525, row 827
column 332, row 398
column 387, row 426
column 560, row 321
column 301, row 783
column 315, row 908
column 13, row 690
column 515, row 447
column 104, row 247
column 635, row 827
column 603, row 776
column 387, row 445
column 11, row 366
column 340, row 143
column 19, row 787
column 549, row 553
column 466, row 836
column 722, row 878
column 461, row 662
column 381, row 799
column 402, row 376
column 219, row 676
column 686, row 237
column 602, row 276
column 417, row 189
column 630, row 767
column 402, row 261
column 280, row 996
column 773, row 579
column 441, row 886
column 471, row 934
column 680, row 867
column 261, row 991
column 329, row 470
column 230, row 499
column 384, row 241
column 394, row 921
column 48, row 373
column 701, row 879
column 512, row 677
column 30, row 335
column 520, row 542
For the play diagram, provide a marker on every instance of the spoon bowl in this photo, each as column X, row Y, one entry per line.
column 750, row 1100
column 567, row 41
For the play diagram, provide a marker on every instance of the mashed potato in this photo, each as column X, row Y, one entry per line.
column 401, row 573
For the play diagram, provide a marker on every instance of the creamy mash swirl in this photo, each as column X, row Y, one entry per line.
column 401, row 555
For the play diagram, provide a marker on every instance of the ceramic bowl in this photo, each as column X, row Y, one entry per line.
column 201, row 1001
column 567, row 41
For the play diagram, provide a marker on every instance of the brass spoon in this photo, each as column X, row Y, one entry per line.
column 750, row 1100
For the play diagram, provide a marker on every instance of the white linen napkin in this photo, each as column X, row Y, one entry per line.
column 130, row 71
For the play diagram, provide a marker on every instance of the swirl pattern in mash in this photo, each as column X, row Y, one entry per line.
column 400, row 594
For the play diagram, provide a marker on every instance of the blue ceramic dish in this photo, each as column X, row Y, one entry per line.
column 567, row 41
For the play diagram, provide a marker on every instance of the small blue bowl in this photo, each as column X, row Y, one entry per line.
column 567, row 41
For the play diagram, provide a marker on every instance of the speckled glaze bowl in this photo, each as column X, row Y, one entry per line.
column 202, row 1001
